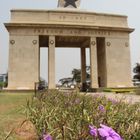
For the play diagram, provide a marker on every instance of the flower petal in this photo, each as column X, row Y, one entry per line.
column 47, row 137
column 93, row 131
column 109, row 138
column 106, row 127
column 103, row 132
column 117, row 138
column 91, row 127
column 115, row 135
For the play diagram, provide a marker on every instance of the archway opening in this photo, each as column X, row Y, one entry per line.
column 67, row 55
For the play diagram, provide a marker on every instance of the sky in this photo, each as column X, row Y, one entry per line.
column 67, row 59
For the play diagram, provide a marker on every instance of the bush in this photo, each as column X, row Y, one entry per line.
column 3, row 84
column 67, row 116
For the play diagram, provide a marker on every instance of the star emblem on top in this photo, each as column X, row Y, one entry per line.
column 70, row 2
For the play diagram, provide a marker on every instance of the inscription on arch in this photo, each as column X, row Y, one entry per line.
column 44, row 31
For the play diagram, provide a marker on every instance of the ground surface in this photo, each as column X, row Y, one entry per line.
column 131, row 98
column 12, row 107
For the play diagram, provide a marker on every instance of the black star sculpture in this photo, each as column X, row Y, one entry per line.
column 70, row 2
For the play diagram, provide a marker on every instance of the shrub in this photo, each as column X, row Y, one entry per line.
column 67, row 116
column 3, row 84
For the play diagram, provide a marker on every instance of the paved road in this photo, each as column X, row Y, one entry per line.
column 131, row 98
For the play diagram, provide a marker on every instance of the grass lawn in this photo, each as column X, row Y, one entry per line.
column 12, row 114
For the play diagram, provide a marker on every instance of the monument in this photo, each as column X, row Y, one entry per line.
column 69, row 3
column 107, row 36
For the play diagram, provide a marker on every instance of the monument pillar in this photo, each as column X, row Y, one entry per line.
column 23, row 62
column 118, row 62
column 83, row 64
column 51, row 63
column 93, row 63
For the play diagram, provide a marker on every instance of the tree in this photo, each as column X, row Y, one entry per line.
column 77, row 74
column 76, row 77
column 136, row 70
column 66, row 81
column 87, row 72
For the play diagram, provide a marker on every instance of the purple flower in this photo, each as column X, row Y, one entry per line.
column 114, row 101
column 93, row 131
column 47, row 137
column 108, row 133
column 101, row 108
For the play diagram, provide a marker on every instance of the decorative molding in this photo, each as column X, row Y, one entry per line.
column 108, row 44
column 93, row 43
column 34, row 42
column 12, row 42
column 51, row 42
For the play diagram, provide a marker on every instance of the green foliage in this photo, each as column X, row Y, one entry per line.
column 67, row 116
column 3, row 84
column 76, row 75
column 136, row 70
column 66, row 81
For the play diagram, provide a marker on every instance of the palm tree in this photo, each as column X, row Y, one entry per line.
column 66, row 81
column 76, row 75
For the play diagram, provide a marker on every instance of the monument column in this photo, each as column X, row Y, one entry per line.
column 83, row 64
column 23, row 62
column 118, row 52
column 93, row 63
column 51, row 63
